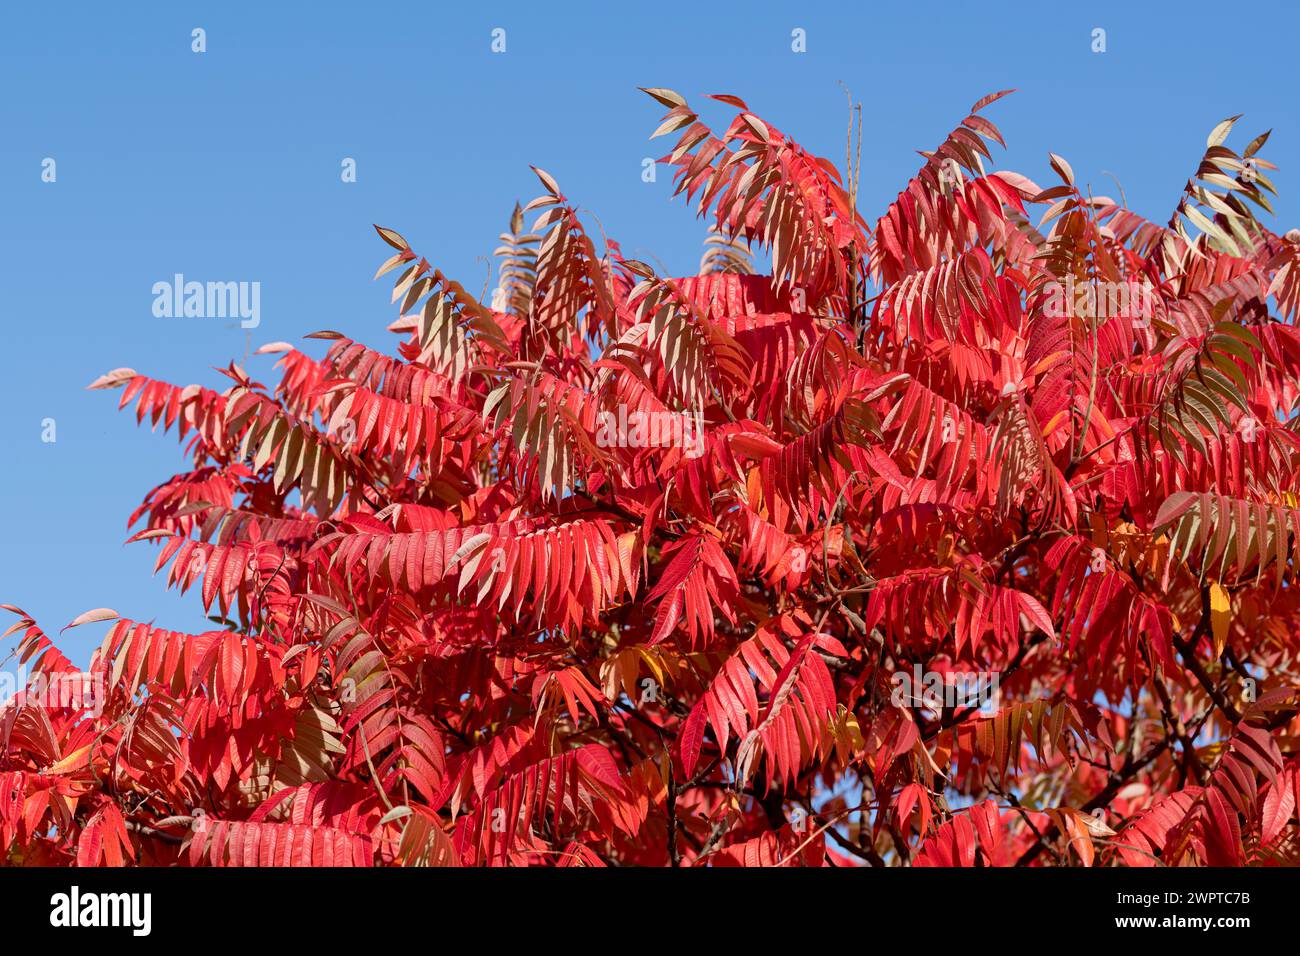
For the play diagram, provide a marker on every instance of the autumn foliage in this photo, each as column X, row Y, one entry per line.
column 627, row 569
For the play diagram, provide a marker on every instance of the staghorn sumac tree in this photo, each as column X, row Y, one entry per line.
column 630, row 569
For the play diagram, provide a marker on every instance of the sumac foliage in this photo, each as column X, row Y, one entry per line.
column 624, row 568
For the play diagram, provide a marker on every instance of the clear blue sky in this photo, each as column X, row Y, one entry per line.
column 226, row 166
